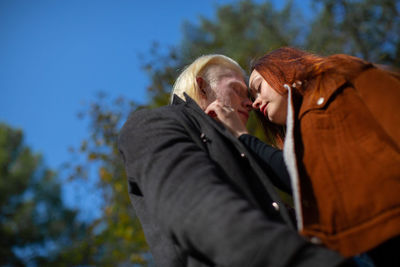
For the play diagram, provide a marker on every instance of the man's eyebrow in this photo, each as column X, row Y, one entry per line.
column 238, row 83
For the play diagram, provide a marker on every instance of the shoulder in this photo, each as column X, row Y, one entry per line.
column 376, row 76
column 143, row 120
column 145, row 114
column 149, row 115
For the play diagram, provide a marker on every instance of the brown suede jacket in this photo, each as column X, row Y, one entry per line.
column 346, row 160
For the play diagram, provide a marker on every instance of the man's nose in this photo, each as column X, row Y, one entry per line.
column 248, row 104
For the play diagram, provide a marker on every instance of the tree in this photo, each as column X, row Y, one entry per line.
column 34, row 223
column 117, row 237
column 368, row 29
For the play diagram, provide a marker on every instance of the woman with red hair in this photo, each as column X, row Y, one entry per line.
column 339, row 119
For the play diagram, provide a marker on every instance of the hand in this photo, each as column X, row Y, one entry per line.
column 228, row 117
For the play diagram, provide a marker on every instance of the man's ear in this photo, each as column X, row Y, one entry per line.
column 202, row 84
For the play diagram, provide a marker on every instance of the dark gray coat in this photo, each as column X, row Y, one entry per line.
column 201, row 197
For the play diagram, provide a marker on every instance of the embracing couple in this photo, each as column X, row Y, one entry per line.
column 205, row 190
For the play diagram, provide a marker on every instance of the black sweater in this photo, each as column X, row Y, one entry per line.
column 270, row 159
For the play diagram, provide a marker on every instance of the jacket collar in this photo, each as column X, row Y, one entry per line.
column 176, row 100
column 320, row 92
column 191, row 104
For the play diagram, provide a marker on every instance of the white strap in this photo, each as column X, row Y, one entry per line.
column 290, row 159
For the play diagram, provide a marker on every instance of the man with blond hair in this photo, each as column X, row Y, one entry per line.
column 200, row 195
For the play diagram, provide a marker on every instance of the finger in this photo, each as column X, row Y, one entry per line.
column 214, row 106
column 228, row 108
column 210, row 108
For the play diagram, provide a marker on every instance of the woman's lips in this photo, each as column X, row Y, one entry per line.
column 263, row 109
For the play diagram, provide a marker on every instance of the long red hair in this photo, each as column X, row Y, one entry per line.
column 288, row 65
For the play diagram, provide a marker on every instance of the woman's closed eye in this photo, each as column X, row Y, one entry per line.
column 255, row 92
column 251, row 95
column 258, row 90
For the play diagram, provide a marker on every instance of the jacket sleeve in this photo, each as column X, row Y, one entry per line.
column 184, row 194
column 271, row 159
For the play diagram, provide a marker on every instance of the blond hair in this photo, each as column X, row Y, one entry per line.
column 186, row 82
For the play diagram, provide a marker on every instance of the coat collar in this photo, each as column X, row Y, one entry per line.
column 176, row 100
column 192, row 105
column 320, row 92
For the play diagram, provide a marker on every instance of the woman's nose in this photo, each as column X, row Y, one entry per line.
column 256, row 103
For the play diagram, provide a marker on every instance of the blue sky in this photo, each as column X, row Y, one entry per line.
column 55, row 55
